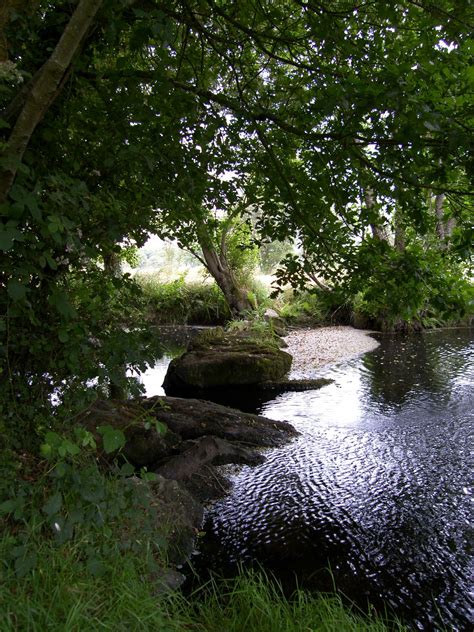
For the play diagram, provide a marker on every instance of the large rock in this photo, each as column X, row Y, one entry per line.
column 217, row 359
column 144, row 445
column 190, row 433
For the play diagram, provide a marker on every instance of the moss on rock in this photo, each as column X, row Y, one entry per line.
column 222, row 359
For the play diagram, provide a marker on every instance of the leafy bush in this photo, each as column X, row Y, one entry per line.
column 302, row 307
column 241, row 251
column 417, row 287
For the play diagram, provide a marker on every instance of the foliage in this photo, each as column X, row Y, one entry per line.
column 272, row 252
column 77, row 333
column 299, row 307
column 241, row 252
column 418, row 285
column 255, row 328
column 69, row 502
column 178, row 302
column 183, row 117
column 254, row 602
column 63, row 594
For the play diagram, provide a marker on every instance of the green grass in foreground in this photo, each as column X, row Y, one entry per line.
column 60, row 595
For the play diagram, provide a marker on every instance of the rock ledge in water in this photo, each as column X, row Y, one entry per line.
column 217, row 359
column 198, row 433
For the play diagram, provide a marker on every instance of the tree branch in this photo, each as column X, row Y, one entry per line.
column 45, row 88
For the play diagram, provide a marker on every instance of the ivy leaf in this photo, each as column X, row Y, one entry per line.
column 112, row 438
column 8, row 235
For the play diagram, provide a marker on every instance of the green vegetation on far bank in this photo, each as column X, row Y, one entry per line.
column 178, row 302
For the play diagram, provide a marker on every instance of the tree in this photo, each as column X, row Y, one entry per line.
column 142, row 107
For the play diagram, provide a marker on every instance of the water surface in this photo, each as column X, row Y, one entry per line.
column 378, row 486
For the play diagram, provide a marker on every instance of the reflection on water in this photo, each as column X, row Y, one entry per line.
column 378, row 486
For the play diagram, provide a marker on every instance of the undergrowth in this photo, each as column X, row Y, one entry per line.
column 180, row 303
column 84, row 547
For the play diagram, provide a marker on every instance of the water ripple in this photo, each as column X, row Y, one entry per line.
column 378, row 486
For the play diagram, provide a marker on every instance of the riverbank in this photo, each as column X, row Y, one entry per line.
column 61, row 595
column 98, row 578
column 313, row 348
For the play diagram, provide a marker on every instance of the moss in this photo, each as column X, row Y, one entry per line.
column 229, row 360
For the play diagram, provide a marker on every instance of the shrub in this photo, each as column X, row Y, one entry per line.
column 180, row 303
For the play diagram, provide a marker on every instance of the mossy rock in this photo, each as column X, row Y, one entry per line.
column 218, row 359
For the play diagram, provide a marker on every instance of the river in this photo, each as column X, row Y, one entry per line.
column 378, row 488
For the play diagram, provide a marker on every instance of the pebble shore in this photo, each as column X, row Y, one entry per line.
column 314, row 348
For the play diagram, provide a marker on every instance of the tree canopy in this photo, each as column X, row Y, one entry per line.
column 346, row 124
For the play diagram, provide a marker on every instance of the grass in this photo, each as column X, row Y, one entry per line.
column 180, row 303
column 106, row 573
column 60, row 595
column 252, row 602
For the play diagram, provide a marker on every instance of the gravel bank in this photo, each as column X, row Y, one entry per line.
column 314, row 348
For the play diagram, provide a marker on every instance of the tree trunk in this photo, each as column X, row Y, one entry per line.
column 400, row 236
column 45, row 89
column 218, row 266
column 378, row 229
column 444, row 226
column 439, row 213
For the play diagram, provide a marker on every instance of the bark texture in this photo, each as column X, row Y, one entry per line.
column 45, row 89
column 218, row 266
column 444, row 226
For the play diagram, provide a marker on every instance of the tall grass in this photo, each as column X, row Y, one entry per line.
column 60, row 595
column 252, row 602
column 180, row 303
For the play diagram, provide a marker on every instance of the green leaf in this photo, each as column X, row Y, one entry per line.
column 112, row 438
column 92, row 491
column 63, row 335
column 127, row 469
column 160, row 427
column 53, row 438
column 26, row 563
column 72, row 448
column 61, row 470
column 46, row 450
column 16, row 290
column 96, row 567
column 51, row 262
column 8, row 506
column 149, row 476
column 53, row 504
column 60, row 300
column 8, row 235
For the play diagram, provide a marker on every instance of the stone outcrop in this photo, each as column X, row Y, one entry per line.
column 191, row 434
column 217, row 359
column 294, row 385
column 191, row 438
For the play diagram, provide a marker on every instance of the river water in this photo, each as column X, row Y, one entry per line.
column 378, row 488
